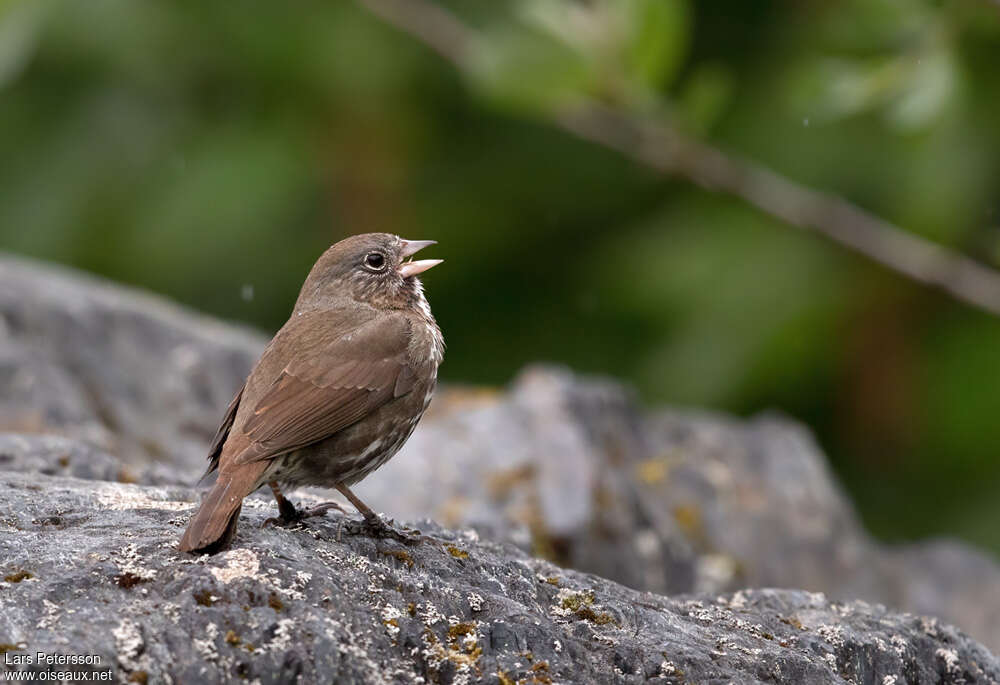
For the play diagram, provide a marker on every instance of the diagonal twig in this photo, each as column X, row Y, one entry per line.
column 664, row 148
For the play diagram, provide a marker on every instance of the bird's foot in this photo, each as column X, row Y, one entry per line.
column 375, row 527
column 291, row 514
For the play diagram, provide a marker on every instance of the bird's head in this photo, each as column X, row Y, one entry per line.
column 372, row 268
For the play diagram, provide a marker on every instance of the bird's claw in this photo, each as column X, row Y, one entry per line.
column 296, row 515
column 378, row 529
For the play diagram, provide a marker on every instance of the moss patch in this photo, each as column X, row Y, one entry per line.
column 793, row 622
column 600, row 618
column 129, row 580
column 578, row 600
column 402, row 555
column 653, row 471
column 461, row 629
column 204, row 598
column 18, row 576
column 540, row 673
column 456, row 552
column 688, row 518
column 581, row 604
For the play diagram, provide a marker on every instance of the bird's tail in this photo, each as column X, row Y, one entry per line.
column 214, row 525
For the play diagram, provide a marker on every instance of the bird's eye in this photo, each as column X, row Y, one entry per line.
column 375, row 261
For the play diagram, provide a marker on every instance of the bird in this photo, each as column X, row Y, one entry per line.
column 334, row 395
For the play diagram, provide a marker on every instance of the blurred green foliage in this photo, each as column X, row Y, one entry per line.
column 211, row 151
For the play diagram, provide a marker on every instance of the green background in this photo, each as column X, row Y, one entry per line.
column 211, row 151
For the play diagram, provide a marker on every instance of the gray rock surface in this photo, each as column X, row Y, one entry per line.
column 55, row 455
column 667, row 501
column 99, row 382
column 122, row 370
column 90, row 569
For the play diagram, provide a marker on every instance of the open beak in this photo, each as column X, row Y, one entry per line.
column 410, row 267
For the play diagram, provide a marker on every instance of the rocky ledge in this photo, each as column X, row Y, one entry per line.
column 91, row 569
column 108, row 398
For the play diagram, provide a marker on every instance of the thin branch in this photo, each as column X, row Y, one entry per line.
column 658, row 145
column 434, row 26
column 664, row 149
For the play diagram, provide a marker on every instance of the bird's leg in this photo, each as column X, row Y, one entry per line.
column 287, row 510
column 373, row 526
column 291, row 514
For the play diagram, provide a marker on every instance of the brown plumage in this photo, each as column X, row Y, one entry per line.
column 336, row 393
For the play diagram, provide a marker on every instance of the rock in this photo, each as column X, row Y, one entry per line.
column 54, row 455
column 124, row 371
column 100, row 382
column 90, row 568
column 545, row 466
column 666, row 501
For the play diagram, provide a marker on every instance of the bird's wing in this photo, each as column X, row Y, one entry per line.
column 215, row 450
column 329, row 382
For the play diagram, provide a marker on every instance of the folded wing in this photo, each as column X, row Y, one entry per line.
column 328, row 384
